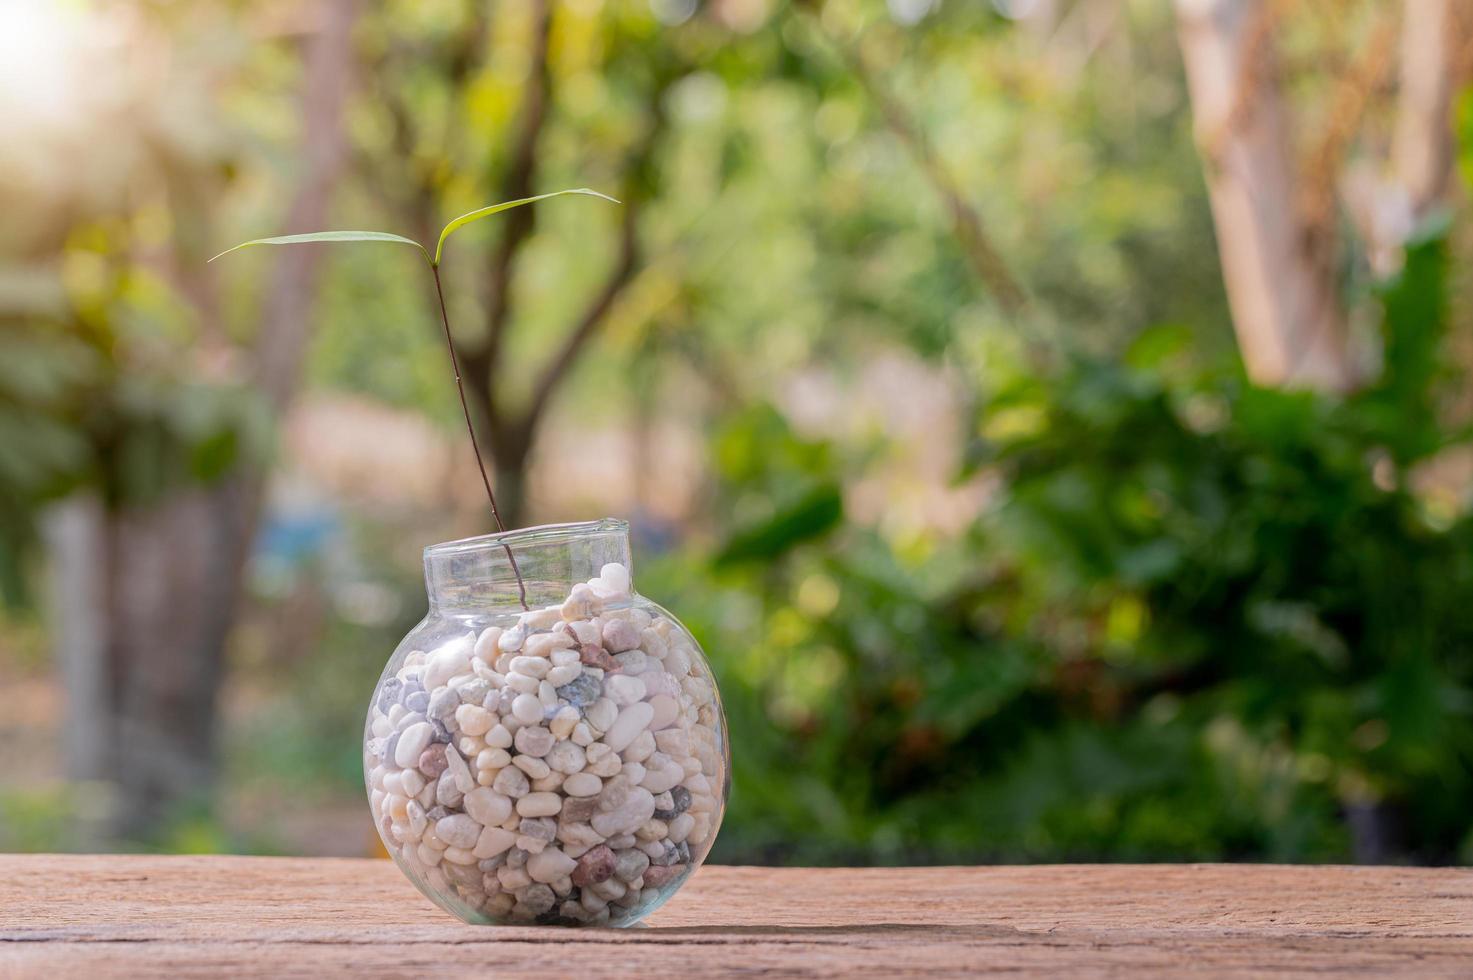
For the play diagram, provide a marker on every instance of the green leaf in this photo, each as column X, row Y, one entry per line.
column 486, row 212
column 817, row 512
column 331, row 236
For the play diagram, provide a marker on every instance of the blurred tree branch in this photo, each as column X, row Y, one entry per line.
column 511, row 431
column 985, row 258
column 517, row 181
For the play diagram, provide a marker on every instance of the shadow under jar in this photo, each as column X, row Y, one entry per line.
column 564, row 763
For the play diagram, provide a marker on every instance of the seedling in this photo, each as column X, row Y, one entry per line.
column 433, row 261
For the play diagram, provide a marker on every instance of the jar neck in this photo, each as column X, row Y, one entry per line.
column 476, row 575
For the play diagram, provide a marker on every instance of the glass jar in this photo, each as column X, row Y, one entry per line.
column 547, row 745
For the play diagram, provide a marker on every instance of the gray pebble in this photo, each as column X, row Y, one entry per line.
column 538, row 828
column 388, row 695
column 436, row 812
column 512, row 782
column 390, row 745
column 582, row 691
column 473, row 691
column 630, row 864
column 442, row 705
column 536, row 899
column 439, row 734
column 680, row 802
column 418, row 701
column 671, row 856
column 446, row 792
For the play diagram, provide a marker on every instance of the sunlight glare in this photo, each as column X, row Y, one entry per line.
column 39, row 48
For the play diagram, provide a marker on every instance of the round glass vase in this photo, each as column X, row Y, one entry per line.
column 546, row 745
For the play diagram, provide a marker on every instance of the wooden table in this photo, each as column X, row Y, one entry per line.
column 78, row 915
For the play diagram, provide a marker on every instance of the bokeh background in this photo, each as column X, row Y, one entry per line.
column 1052, row 416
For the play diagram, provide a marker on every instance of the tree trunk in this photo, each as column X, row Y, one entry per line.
column 146, row 595
column 1278, row 270
column 1422, row 151
column 174, row 577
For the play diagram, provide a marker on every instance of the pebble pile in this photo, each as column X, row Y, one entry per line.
column 568, row 769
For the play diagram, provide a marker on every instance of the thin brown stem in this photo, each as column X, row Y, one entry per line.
column 471, row 429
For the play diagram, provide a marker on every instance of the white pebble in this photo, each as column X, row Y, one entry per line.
column 623, row 690
column 543, row 644
column 414, row 740
column 666, row 710
column 615, row 577
column 527, row 709
column 638, row 807
column 566, row 674
column 631, row 721
column 492, row 759
column 674, row 742
column 460, row 855
column 601, row 714
column 487, row 806
column 493, row 841
column 411, row 782
column 565, row 757
column 531, row 666
column 641, row 748
column 583, row 784
column 485, row 648
column 474, row 719
column 458, row 770
column 540, row 619
column 550, row 865
column 451, row 659
column 564, row 721
column 458, row 830
column 658, row 780
column 579, row 604
column 523, row 683
column 544, row 804
column 532, row 766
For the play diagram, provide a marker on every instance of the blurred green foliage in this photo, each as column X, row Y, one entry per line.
column 1194, row 618
column 1200, row 620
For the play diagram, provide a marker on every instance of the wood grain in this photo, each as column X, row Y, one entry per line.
column 228, row 916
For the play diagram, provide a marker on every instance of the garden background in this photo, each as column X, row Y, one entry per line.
column 1051, row 415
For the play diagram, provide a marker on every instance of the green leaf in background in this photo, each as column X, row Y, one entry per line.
column 486, row 212
column 815, row 513
column 329, row 236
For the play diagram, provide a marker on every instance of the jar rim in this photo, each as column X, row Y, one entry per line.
column 537, row 534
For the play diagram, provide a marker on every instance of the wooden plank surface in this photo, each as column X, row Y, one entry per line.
column 80, row 915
